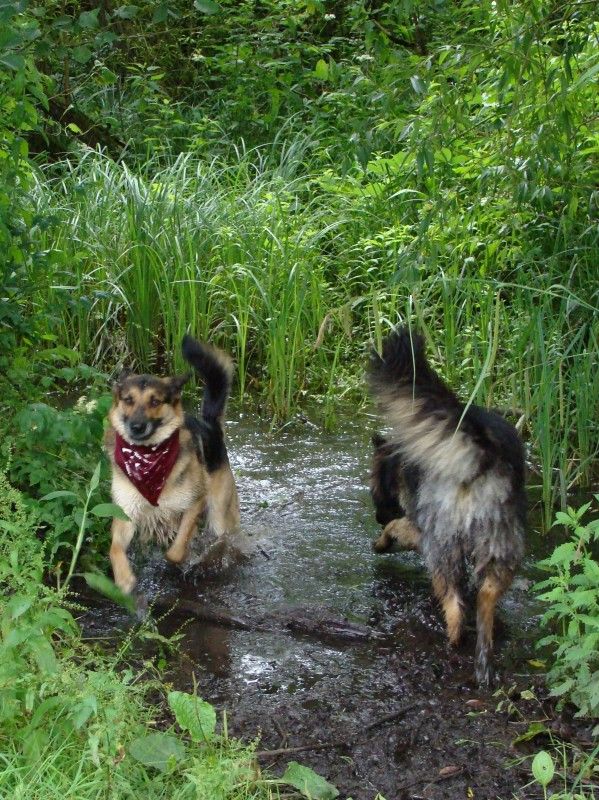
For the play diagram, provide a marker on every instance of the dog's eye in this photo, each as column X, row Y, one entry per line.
column 128, row 401
column 155, row 402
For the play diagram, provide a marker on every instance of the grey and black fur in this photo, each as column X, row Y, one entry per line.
column 454, row 479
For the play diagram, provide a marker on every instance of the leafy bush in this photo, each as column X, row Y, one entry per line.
column 572, row 593
column 52, row 448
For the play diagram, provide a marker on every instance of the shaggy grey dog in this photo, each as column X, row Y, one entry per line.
column 449, row 482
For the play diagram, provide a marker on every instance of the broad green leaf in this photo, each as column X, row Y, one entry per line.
column 56, row 618
column 102, row 584
column 13, row 61
column 586, row 77
column 563, row 554
column 562, row 518
column 103, row 38
column 308, row 782
column 34, row 743
column 562, row 688
column 158, row 750
column 50, row 704
column 534, row 729
column 321, row 70
column 83, row 711
column 417, row 84
column 8, row 526
column 95, row 479
column 126, row 12
column 543, row 768
column 61, row 493
column 194, row 715
column 43, row 652
column 537, row 663
column 81, row 54
column 89, row 19
column 109, row 510
column 160, row 13
column 16, row 636
column 10, row 39
column 19, row 605
column 206, row 6
column 107, row 76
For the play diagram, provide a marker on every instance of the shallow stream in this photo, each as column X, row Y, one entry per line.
column 310, row 638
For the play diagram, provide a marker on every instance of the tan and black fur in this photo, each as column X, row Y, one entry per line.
column 146, row 410
column 449, row 482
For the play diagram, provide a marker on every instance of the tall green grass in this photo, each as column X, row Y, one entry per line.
column 298, row 272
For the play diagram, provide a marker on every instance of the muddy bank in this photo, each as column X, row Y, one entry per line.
column 308, row 638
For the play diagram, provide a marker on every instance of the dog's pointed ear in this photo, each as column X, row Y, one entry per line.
column 176, row 383
column 119, row 381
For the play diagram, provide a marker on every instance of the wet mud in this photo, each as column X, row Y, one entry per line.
column 325, row 650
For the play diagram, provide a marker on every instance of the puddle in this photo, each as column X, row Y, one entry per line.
column 384, row 693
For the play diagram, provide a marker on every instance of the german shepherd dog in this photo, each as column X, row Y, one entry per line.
column 449, row 482
column 170, row 469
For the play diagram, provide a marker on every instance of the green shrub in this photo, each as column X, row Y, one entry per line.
column 51, row 448
column 572, row 594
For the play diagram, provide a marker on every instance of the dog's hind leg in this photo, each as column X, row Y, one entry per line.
column 448, row 594
column 122, row 534
column 222, row 511
column 177, row 552
column 403, row 531
column 492, row 587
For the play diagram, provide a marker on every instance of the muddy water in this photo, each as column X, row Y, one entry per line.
column 312, row 639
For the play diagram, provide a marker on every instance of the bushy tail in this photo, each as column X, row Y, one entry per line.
column 216, row 370
column 424, row 414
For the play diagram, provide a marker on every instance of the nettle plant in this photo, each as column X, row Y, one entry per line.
column 52, row 450
column 572, row 594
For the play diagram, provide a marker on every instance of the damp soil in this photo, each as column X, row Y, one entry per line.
column 325, row 650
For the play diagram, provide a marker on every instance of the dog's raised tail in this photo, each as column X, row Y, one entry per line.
column 403, row 361
column 215, row 368
column 422, row 411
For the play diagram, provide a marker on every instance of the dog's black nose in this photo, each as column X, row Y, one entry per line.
column 137, row 427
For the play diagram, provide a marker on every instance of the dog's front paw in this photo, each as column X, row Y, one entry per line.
column 176, row 553
column 382, row 543
column 484, row 671
column 126, row 581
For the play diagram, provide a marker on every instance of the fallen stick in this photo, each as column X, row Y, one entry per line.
column 438, row 779
column 215, row 616
column 392, row 716
column 295, row 621
column 282, row 751
column 338, row 743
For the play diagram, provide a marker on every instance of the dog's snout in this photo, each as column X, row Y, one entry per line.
column 138, row 427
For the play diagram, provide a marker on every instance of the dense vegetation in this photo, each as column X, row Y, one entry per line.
column 288, row 178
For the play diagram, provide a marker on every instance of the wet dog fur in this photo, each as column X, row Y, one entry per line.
column 146, row 410
column 448, row 482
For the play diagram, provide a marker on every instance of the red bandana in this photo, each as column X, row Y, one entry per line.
column 147, row 467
